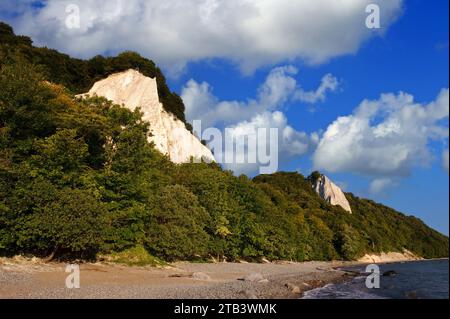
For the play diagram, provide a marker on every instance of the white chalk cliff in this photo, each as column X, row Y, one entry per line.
column 169, row 134
column 330, row 192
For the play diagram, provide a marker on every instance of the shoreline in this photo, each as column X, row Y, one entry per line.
column 21, row 279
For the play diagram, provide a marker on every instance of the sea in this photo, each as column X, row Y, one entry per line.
column 427, row 279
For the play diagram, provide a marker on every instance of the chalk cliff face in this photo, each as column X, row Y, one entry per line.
column 331, row 193
column 389, row 257
column 169, row 134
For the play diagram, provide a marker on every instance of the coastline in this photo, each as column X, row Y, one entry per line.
column 33, row 278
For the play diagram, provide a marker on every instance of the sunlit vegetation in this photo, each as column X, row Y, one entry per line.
column 78, row 178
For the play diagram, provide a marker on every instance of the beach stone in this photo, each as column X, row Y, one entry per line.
column 264, row 281
column 293, row 288
column 201, row 276
column 254, row 277
column 248, row 294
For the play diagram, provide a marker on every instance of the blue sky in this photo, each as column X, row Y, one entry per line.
column 409, row 54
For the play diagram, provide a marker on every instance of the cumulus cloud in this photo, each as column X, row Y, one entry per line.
column 244, row 118
column 445, row 160
column 329, row 83
column 251, row 33
column 201, row 104
column 279, row 87
column 15, row 7
column 289, row 143
column 379, row 185
column 385, row 137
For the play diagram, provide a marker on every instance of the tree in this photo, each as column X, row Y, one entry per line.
column 59, row 221
column 60, row 157
column 349, row 243
column 314, row 177
column 175, row 227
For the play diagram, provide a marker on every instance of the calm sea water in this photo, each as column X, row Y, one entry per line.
column 419, row 279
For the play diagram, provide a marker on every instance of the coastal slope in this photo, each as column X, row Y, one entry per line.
column 80, row 179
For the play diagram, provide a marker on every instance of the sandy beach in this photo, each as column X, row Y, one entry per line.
column 25, row 278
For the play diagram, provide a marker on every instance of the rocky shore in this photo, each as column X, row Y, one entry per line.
column 22, row 277
column 32, row 278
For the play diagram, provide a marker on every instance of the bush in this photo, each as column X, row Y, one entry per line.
column 135, row 256
column 61, row 221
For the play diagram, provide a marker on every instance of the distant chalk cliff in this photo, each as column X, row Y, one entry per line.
column 331, row 193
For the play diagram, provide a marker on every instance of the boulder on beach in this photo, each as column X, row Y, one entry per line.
column 201, row 276
column 293, row 288
column 254, row 277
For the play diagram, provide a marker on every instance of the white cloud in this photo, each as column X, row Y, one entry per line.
column 378, row 186
column 385, row 137
column 201, row 104
column 243, row 118
column 445, row 160
column 290, row 141
column 15, row 7
column 251, row 33
column 329, row 83
column 279, row 87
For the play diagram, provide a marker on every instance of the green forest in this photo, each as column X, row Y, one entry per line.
column 78, row 179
